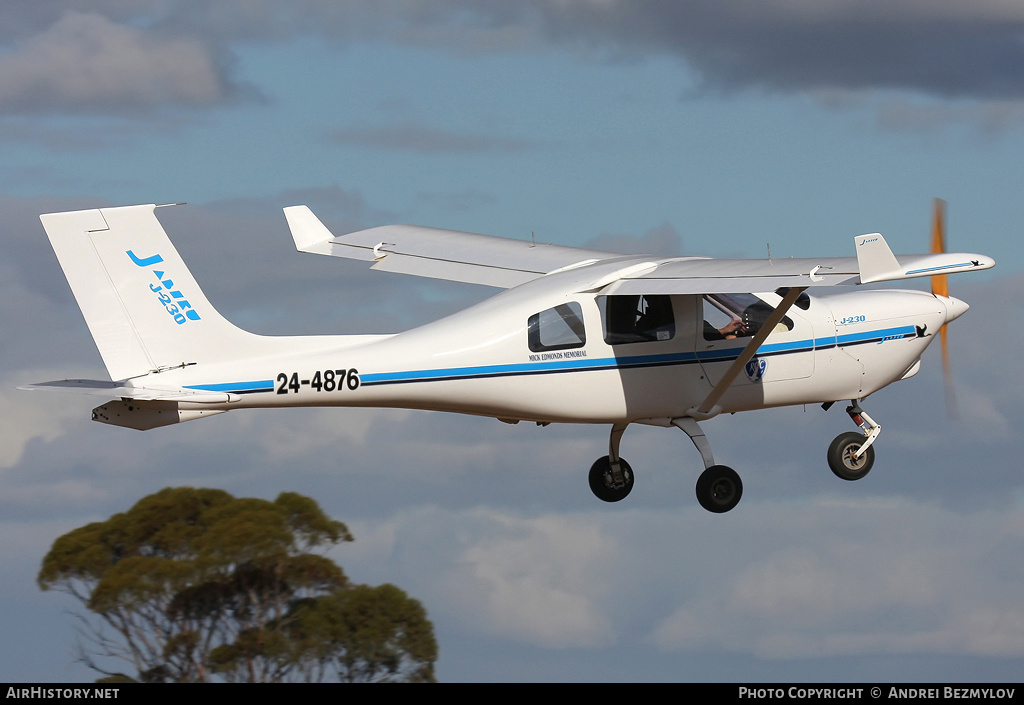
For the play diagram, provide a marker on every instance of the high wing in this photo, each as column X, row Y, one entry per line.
column 504, row 263
column 439, row 254
column 726, row 276
column 874, row 262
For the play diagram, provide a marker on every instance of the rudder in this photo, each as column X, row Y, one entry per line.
column 143, row 307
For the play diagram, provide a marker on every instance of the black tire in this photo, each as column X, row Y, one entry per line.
column 841, row 460
column 601, row 480
column 719, row 489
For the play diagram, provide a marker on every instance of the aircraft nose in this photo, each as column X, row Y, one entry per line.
column 954, row 307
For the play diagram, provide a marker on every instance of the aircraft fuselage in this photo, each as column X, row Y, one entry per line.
column 843, row 346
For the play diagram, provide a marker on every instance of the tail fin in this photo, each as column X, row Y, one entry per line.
column 143, row 307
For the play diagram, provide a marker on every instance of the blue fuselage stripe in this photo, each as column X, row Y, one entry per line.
column 636, row 361
column 583, row 364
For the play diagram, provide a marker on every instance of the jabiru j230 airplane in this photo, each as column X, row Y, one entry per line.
column 577, row 336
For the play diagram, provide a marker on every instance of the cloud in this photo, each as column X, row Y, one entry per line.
column 24, row 418
column 87, row 62
column 903, row 583
column 137, row 56
column 539, row 580
column 939, row 48
column 879, row 576
column 993, row 117
column 536, row 580
column 318, row 432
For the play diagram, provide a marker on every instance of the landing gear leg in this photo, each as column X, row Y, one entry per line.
column 719, row 487
column 611, row 478
column 850, row 456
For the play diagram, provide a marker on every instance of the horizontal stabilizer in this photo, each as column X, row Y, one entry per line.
column 120, row 389
column 141, row 408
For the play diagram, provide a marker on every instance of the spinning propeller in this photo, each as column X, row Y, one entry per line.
column 940, row 287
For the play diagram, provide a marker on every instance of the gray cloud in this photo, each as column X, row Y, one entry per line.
column 173, row 52
column 87, row 62
column 944, row 48
column 941, row 48
column 828, row 595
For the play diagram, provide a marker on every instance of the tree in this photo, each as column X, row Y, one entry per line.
column 195, row 584
column 366, row 635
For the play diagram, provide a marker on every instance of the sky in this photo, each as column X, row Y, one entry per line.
column 702, row 128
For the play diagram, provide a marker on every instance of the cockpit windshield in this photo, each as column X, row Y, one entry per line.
column 728, row 316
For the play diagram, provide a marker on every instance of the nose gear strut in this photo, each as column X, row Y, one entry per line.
column 850, row 456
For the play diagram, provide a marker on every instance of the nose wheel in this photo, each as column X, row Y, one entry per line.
column 843, row 460
column 851, row 455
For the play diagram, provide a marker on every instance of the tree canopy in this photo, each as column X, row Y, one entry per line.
column 197, row 585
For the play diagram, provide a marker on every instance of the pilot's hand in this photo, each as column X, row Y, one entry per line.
column 732, row 329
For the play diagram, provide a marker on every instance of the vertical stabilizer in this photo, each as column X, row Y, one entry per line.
column 143, row 307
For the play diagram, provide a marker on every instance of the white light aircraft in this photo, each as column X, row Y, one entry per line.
column 578, row 336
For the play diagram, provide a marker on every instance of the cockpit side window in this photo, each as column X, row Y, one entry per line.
column 637, row 318
column 558, row 328
column 737, row 316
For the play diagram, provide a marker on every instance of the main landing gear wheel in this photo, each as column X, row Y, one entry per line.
column 719, row 489
column 841, row 456
column 603, row 485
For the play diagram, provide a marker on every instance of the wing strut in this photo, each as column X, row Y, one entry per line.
column 705, row 408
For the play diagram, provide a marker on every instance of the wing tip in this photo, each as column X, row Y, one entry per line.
column 308, row 232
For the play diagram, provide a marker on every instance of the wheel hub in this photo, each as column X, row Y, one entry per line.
column 722, row 491
column 850, row 458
